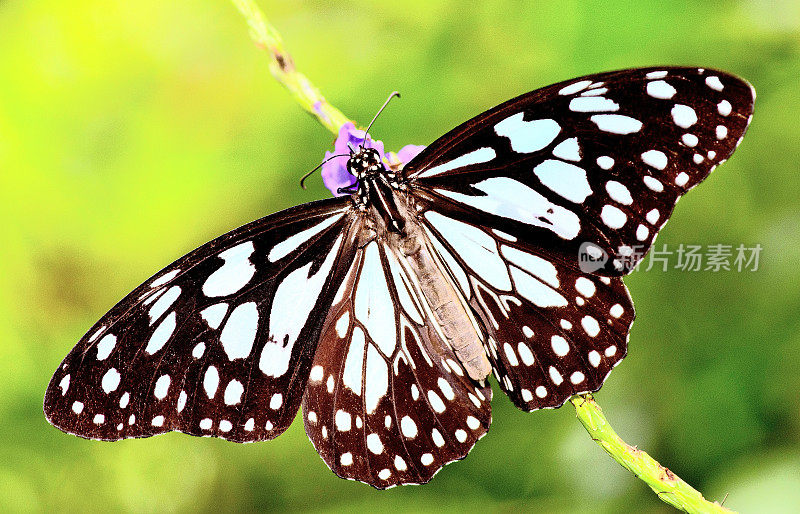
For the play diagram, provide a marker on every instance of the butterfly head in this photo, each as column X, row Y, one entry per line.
column 365, row 163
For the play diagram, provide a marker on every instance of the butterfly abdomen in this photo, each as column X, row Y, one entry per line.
column 448, row 309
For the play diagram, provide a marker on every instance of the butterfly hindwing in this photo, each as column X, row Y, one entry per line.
column 388, row 402
column 599, row 159
column 553, row 331
column 218, row 343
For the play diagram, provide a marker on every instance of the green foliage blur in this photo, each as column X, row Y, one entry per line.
column 132, row 132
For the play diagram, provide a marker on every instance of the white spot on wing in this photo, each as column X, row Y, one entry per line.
column 683, row 116
column 110, row 380
column 475, row 157
column 511, row 199
column 409, row 428
column 511, row 357
column 162, row 387
column 655, row 158
column 343, row 421
column 605, row 162
column 374, row 444
column 590, row 325
column 343, row 324
column 164, row 303
column 475, row 247
column 527, row 136
column 239, row 331
column 714, row 83
column 199, row 350
column 403, row 287
column 525, row 354
column 354, row 362
column 568, row 150
column 653, row 183
column 618, row 192
column 291, row 305
column 291, row 243
column 575, row 87
column 376, row 379
column 64, row 384
column 690, row 140
column 106, row 346
column 585, row 287
column 436, row 402
column 593, row 104
column 560, row 345
column 166, row 277
column 567, row 180
column 211, row 381
column 316, row 373
column 555, row 376
column 214, row 314
column 161, row 334
column 533, row 264
column 616, row 123
column 373, row 303
column 234, row 274
column 233, row 392
column 660, row 89
column 613, row 217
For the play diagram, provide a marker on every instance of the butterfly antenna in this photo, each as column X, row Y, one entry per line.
column 366, row 132
column 303, row 179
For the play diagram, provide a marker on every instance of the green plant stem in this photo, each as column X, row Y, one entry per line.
column 283, row 68
column 668, row 486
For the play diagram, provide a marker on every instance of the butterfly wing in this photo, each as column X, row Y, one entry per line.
column 511, row 197
column 598, row 160
column 553, row 331
column 388, row 402
column 219, row 343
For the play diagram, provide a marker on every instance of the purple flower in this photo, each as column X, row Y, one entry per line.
column 334, row 172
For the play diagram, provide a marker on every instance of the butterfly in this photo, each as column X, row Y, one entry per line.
column 383, row 312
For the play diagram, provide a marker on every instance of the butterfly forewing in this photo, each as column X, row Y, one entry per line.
column 599, row 160
column 218, row 343
column 388, row 401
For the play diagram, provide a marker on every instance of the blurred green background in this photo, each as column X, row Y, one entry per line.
column 132, row 132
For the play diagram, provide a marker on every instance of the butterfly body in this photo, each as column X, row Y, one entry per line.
column 392, row 217
column 383, row 312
